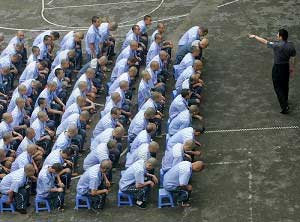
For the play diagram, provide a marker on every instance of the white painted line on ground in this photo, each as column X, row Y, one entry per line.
column 71, row 27
column 250, row 179
column 228, row 162
column 229, row 150
column 98, row 4
column 252, row 129
column 50, row 2
column 86, row 28
column 228, row 3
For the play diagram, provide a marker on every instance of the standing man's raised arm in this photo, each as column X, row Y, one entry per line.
column 261, row 40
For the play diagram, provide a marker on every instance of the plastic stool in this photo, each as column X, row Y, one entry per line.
column 163, row 194
column 128, row 199
column 11, row 207
column 40, row 200
column 161, row 177
column 85, row 199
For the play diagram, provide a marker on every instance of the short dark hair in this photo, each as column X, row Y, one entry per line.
column 44, row 63
column 68, row 151
column 56, row 72
column 55, row 35
column 46, row 37
column 41, row 100
column 185, row 92
column 283, row 34
column 34, row 48
column 157, row 35
column 57, row 167
column 147, row 17
column 134, row 27
column 114, row 110
column 203, row 29
column 94, row 19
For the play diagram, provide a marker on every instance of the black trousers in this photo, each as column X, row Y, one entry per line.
column 22, row 198
column 280, row 77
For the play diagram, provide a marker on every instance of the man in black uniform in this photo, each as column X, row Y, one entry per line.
column 284, row 66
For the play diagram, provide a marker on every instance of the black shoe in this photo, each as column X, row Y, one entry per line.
column 142, row 205
column 285, row 110
column 21, row 211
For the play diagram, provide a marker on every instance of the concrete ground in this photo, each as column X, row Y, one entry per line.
column 251, row 175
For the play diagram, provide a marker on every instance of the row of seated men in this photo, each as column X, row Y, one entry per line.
column 60, row 116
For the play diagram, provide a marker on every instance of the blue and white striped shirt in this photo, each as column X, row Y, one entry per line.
column 63, row 141
column 13, row 181
column 120, row 67
column 130, row 37
column 59, row 57
column 92, row 36
column 73, row 97
column 189, row 36
column 103, row 137
column 23, row 145
column 53, row 157
column 172, row 157
column 180, row 137
column 137, row 124
column 96, row 156
column 74, row 108
column 181, row 121
column 141, row 153
column 186, row 74
column 178, row 175
column 104, row 123
column 72, row 119
column 144, row 92
column 90, row 180
column 133, row 175
column 40, row 37
column 142, row 137
column 123, row 77
column 21, row 161
column 39, row 129
column 47, row 95
column 178, row 105
column 45, row 182
column 30, row 72
column 188, row 60
column 126, row 53
column 152, row 52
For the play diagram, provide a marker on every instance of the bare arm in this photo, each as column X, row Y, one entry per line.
column 259, row 39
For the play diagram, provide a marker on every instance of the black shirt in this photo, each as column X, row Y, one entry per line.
column 283, row 51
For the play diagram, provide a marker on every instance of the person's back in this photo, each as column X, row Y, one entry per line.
column 134, row 174
column 178, row 175
column 92, row 173
column 283, row 51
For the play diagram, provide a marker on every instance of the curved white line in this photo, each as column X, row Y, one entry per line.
column 71, row 27
column 85, row 28
column 109, row 3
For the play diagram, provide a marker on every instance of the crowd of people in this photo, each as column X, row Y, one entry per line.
column 47, row 100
